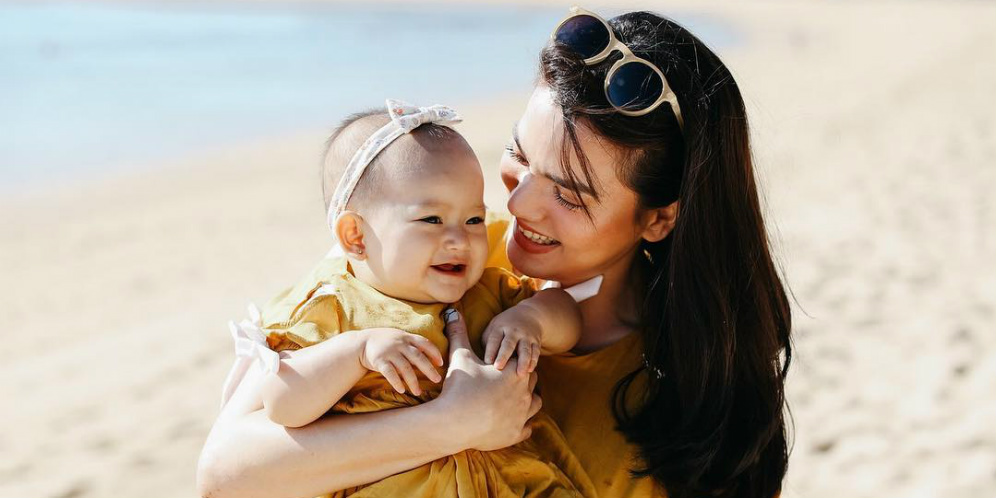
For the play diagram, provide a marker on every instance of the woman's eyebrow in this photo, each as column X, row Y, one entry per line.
column 581, row 187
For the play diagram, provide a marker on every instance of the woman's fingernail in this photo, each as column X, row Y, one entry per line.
column 451, row 315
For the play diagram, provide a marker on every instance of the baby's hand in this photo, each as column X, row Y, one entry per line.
column 513, row 331
column 394, row 352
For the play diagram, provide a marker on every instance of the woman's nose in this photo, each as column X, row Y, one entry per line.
column 523, row 200
column 510, row 173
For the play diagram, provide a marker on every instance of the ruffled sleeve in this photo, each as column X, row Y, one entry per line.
column 316, row 319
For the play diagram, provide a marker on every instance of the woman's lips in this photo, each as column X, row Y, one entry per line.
column 527, row 242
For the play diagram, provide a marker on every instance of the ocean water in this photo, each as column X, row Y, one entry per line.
column 87, row 87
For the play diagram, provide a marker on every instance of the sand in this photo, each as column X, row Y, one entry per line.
column 875, row 138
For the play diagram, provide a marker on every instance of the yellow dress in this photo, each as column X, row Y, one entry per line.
column 577, row 394
column 330, row 300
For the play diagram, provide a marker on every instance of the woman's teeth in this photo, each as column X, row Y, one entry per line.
column 537, row 238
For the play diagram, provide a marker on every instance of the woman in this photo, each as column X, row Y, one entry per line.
column 677, row 384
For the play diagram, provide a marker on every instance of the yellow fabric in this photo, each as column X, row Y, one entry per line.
column 498, row 225
column 578, row 396
column 542, row 466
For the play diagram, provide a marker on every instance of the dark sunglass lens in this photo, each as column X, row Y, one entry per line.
column 634, row 87
column 585, row 35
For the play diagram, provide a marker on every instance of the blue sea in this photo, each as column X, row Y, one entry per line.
column 87, row 87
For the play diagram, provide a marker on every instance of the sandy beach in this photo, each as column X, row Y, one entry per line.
column 875, row 140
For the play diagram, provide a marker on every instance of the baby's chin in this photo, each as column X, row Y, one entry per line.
column 430, row 293
column 447, row 295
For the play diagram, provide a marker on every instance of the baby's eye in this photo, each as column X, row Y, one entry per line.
column 477, row 220
column 435, row 220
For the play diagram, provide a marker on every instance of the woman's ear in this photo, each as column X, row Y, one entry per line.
column 349, row 231
column 658, row 222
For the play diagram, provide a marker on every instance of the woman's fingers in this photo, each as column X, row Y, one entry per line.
column 505, row 352
column 526, row 433
column 429, row 349
column 389, row 373
column 408, row 374
column 535, row 405
column 421, row 361
column 456, row 332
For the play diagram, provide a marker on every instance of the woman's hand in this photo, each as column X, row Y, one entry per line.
column 485, row 408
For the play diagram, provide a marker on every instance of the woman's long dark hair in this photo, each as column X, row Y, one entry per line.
column 715, row 315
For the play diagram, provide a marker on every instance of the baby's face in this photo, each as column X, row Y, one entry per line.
column 425, row 238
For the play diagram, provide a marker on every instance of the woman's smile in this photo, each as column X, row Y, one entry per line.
column 531, row 241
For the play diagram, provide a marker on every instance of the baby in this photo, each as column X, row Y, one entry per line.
column 408, row 216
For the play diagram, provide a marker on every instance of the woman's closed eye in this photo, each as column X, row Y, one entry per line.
column 557, row 194
column 515, row 155
column 573, row 206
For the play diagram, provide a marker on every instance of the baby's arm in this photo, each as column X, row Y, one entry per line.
column 546, row 323
column 307, row 384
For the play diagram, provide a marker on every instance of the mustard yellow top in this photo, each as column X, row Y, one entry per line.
column 330, row 301
column 577, row 394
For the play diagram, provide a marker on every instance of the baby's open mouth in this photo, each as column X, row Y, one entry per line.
column 450, row 268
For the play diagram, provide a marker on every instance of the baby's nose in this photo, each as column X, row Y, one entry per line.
column 456, row 238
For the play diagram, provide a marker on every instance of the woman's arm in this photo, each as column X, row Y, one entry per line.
column 247, row 455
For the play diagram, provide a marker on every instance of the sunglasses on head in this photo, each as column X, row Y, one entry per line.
column 633, row 86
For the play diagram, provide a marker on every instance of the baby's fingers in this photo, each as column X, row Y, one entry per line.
column 505, row 352
column 525, row 358
column 491, row 344
column 429, row 349
column 389, row 373
column 408, row 374
column 421, row 361
column 534, row 356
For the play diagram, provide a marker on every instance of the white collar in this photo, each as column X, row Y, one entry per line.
column 581, row 291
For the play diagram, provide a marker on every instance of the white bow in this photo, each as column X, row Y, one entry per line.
column 404, row 118
column 409, row 117
column 250, row 346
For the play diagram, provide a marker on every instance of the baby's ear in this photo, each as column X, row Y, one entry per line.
column 349, row 230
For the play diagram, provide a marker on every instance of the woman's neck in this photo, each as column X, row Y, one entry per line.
column 611, row 314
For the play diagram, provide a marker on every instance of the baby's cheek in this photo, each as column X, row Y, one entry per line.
column 479, row 249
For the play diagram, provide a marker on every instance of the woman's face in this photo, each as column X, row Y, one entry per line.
column 553, row 238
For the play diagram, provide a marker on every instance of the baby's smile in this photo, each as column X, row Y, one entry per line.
column 450, row 269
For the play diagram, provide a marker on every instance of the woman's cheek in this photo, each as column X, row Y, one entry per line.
column 575, row 230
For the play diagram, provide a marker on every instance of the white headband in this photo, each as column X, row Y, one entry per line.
column 404, row 118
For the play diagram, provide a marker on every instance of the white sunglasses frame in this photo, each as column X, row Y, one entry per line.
column 667, row 95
